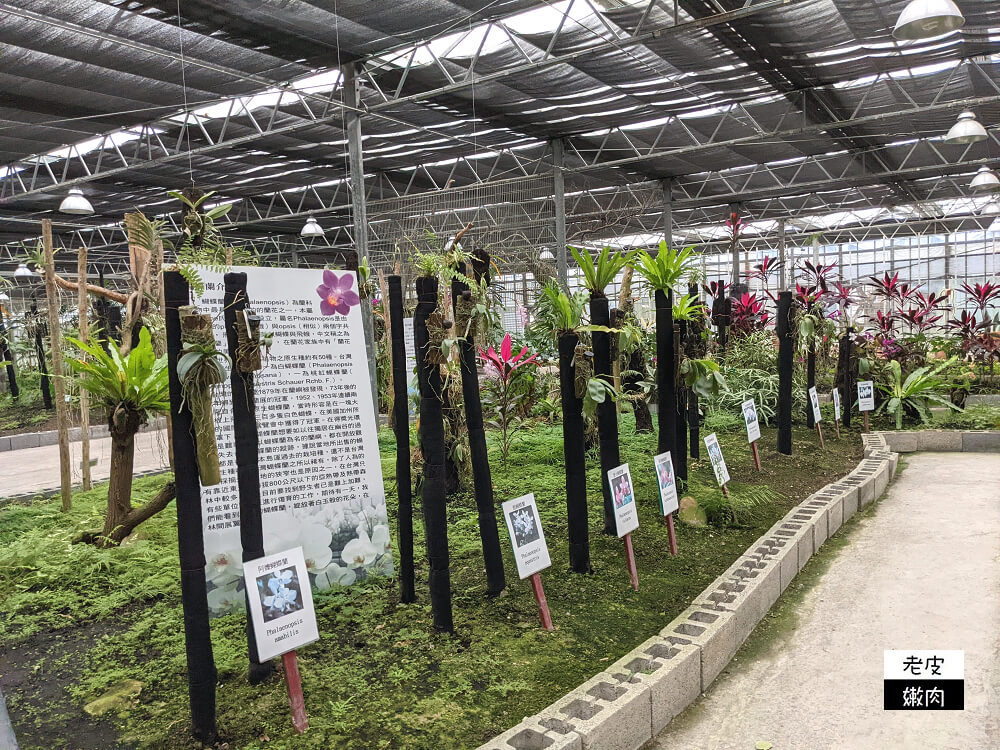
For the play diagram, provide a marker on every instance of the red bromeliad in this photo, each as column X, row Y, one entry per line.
column 504, row 363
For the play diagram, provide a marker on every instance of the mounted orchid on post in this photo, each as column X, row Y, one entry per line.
column 507, row 367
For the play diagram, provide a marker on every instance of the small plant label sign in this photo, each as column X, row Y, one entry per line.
column 753, row 423
column 836, row 404
column 667, row 483
column 814, row 400
column 281, row 603
column 623, row 493
column 531, row 553
column 866, row 395
column 718, row 462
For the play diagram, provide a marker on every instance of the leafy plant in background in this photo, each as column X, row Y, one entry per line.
column 597, row 274
column 982, row 295
column 688, row 308
column 506, row 366
column 745, row 507
column 553, row 313
column 748, row 314
column 765, row 269
column 598, row 391
column 663, row 271
column 915, row 393
column 704, row 377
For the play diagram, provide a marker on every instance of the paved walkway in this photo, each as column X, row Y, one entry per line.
column 923, row 572
column 37, row 469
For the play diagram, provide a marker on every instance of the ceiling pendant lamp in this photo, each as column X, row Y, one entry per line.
column 926, row 19
column 546, row 254
column 985, row 179
column 23, row 272
column 76, row 203
column 311, row 228
column 967, row 130
column 991, row 209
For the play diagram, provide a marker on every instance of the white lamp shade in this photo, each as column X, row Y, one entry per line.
column 311, row 228
column 991, row 209
column 926, row 19
column 546, row 255
column 23, row 272
column 967, row 130
column 76, row 203
column 985, row 179
column 4, row 297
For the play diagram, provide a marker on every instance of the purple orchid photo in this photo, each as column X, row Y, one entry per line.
column 336, row 295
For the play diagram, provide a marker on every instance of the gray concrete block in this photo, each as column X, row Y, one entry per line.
column 50, row 437
column 848, row 497
column 981, row 440
column 816, row 505
column 606, row 713
column 835, row 515
column 939, row 440
column 801, row 534
column 17, row 442
column 4, row 444
column 530, row 735
column 671, row 671
column 747, row 589
column 902, row 442
column 712, row 631
column 882, row 478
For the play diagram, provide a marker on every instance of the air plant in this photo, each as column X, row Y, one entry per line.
column 982, row 295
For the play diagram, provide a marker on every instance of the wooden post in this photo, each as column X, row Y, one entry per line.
column 868, row 426
column 8, row 356
column 633, row 574
column 756, row 454
column 293, row 681
column 725, row 491
column 672, row 534
column 819, row 431
column 52, row 296
column 543, row 605
column 84, row 336
column 836, row 426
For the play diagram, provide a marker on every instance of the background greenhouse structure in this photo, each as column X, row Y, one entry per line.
column 587, row 122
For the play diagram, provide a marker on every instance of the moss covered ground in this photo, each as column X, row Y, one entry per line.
column 76, row 621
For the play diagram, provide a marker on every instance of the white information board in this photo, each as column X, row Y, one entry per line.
column 667, row 483
column 411, row 355
column 836, row 404
column 623, row 494
column 752, row 422
column 281, row 604
column 814, row 401
column 531, row 553
column 320, row 476
column 718, row 462
column 866, row 395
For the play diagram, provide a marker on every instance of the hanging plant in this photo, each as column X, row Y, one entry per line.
column 200, row 367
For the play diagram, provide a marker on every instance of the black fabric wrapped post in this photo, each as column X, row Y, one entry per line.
column 721, row 309
column 6, row 356
column 607, row 412
column 246, row 441
column 693, row 418
column 680, row 404
column 401, row 427
column 785, row 345
column 190, row 540
column 482, row 479
column 810, row 381
column 574, row 453
column 845, row 374
column 432, row 445
column 666, row 396
column 43, row 370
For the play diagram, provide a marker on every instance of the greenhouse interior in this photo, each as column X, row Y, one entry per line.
column 501, row 375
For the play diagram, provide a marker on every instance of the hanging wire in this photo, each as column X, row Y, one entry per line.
column 184, row 91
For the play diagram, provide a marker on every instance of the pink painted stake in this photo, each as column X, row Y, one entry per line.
column 756, row 454
column 543, row 606
column 294, row 684
column 633, row 574
column 725, row 491
column 671, row 534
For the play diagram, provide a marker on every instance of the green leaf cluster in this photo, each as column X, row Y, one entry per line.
column 667, row 268
column 599, row 272
column 704, row 377
column 917, row 391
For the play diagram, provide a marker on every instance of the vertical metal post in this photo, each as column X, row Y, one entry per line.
column 359, row 215
column 559, row 197
column 782, row 271
column 668, row 212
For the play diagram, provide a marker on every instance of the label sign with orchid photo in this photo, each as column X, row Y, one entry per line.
column 281, row 604
column 531, row 553
column 320, row 476
column 623, row 492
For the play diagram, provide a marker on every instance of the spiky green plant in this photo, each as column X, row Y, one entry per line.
column 917, row 391
column 667, row 268
column 599, row 272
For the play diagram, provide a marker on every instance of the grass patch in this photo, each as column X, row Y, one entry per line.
column 378, row 678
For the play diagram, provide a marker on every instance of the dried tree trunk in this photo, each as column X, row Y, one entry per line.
column 84, row 336
column 55, row 342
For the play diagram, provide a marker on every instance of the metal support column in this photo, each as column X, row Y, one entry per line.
column 359, row 215
column 668, row 212
column 559, row 197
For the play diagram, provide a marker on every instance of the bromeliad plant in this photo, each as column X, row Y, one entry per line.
column 599, row 272
column 915, row 393
column 507, row 366
column 666, row 269
column 134, row 388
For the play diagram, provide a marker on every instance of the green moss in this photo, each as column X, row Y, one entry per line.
column 378, row 678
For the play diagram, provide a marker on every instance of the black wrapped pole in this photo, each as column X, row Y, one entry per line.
column 693, row 418
column 190, row 540
column 43, row 370
column 574, row 451
column 401, row 427
column 432, row 445
column 666, row 396
column 607, row 412
column 721, row 308
column 845, row 379
column 810, row 380
column 680, row 403
column 246, row 442
column 785, row 345
column 6, row 356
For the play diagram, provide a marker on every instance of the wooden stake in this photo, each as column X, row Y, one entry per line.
column 836, row 426
column 671, row 534
column 52, row 295
column 756, row 454
column 633, row 574
column 868, row 427
column 725, row 491
column 543, row 605
column 819, row 431
column 293, row 681
column 84, row 331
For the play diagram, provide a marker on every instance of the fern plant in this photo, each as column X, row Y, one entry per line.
column 597, row 274
column 667, row 268
column 688, row 308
